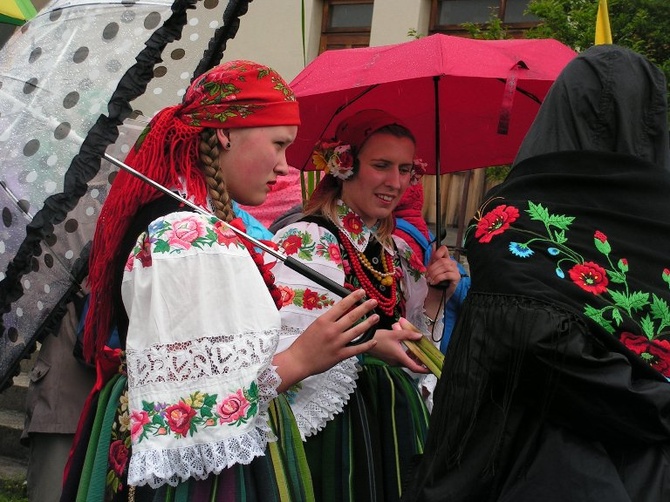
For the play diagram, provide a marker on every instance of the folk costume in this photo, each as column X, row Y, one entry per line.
column 555, row 386
column 188, row 410
column 368, row 419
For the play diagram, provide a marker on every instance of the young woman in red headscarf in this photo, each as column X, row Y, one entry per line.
column 192, row 407
column 365, row 418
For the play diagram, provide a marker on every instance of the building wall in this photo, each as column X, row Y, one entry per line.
column 271, row 33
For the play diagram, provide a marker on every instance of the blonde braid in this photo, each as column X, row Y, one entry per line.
column 216, row 186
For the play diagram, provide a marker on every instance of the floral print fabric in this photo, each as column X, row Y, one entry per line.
column 199, row 366
column 639, row 318
column 320, row 397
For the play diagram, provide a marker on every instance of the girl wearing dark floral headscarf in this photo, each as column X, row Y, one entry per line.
column 555, row 385
column 192, row 407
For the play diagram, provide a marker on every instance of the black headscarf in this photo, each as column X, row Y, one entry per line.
column 554, row 384
column 608, row 99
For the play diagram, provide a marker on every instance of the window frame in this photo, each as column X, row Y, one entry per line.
column 344, row 37
column 514, row 29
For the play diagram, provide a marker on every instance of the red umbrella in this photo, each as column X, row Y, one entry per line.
column 468, row 102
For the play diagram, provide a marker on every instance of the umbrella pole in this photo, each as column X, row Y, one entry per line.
column 290, row 262
column 438, row 170
column 461, row 215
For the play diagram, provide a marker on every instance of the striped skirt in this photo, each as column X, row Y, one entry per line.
column 365, row 452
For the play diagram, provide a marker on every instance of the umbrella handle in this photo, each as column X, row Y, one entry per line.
column 330, row 285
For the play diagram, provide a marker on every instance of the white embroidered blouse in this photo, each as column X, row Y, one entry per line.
column 202, row 332
column 318, row 398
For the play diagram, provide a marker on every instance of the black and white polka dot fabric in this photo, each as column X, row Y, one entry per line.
column 57, row 74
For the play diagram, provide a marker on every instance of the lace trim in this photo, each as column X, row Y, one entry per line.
column 206, row 357
column 204, row 360
column 175, row 465
column 317, row 399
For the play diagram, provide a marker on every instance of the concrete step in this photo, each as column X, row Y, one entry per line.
column 14, row 397
column 13, row 469
column 11, row 427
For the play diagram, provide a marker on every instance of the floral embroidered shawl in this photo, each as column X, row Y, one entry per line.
column 582, row 219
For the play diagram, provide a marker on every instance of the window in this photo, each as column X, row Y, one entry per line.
column 346, row 23
column 447, row 16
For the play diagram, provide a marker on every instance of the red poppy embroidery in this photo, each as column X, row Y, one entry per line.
column 654, row 352
column 590, row 277
column 310, row 299
column 292, row 244
column 495, row 222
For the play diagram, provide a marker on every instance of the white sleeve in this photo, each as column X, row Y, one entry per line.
column 318, row 398
column 202, row 332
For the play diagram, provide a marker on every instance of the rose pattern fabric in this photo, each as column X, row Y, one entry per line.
column 194, row 413
column 605, row 278
column 189, row 231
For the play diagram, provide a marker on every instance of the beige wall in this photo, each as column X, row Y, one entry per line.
column 271, row 33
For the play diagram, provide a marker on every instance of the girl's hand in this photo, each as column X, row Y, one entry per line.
column 391, row 350
column 442, row 272
column 324, row 343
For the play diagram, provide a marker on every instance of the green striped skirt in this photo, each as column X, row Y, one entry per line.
column 365, row 452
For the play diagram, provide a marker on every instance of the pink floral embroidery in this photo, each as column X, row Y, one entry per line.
column 233, row 408
column 138, row 419
column 184, row 232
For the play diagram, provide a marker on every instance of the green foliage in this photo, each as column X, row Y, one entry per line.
column 413, row 34
column 642, row 25
column 497, row 174
column 494, row 29
column 13, row 490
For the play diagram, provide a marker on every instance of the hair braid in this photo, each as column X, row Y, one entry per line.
column 216, row 186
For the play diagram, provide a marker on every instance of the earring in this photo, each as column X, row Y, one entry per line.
column 227, row 146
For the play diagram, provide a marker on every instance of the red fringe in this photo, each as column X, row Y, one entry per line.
column 168, row 150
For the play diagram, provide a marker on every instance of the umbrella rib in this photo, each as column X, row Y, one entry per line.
column 30, row 217
column 16, row 200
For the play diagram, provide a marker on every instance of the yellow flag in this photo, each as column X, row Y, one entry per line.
column 603, row 32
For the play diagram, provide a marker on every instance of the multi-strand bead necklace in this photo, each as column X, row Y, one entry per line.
column 359, row 263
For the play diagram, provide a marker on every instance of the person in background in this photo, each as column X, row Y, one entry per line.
column 413, row 229
column 192, row 407
column 364, row 419
column 555, row 385
column 59, row 384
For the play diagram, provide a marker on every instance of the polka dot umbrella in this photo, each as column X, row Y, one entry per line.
column 67, row 79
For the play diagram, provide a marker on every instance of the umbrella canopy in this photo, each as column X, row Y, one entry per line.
column 468, row 102
column 67, row 78
column 16, row 11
